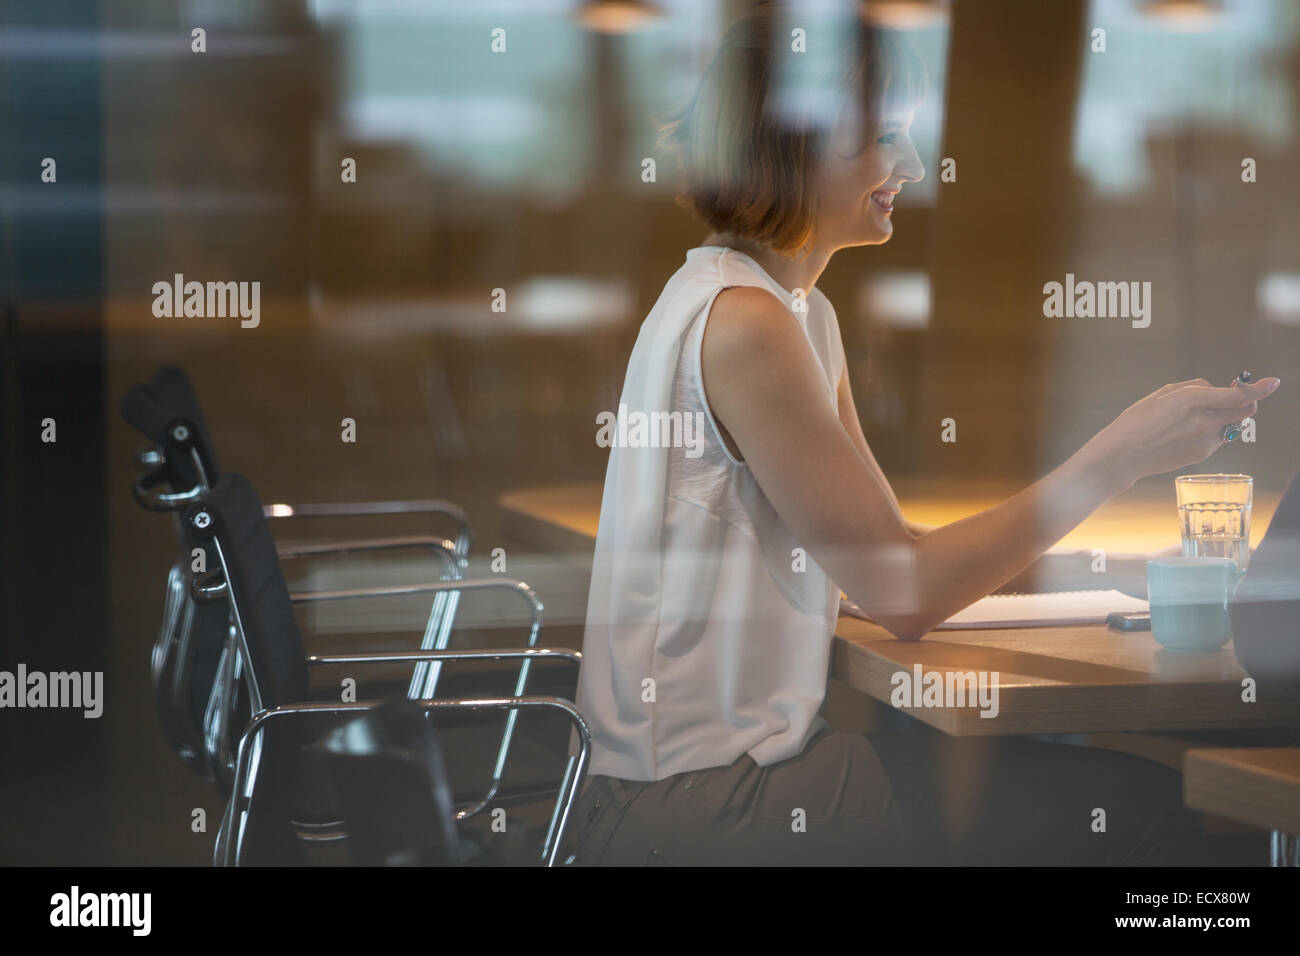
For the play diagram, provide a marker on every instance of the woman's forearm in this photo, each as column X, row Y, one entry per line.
column 1056, row 569
column 956, row 564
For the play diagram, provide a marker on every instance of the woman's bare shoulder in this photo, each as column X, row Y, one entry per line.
column 753, row 349
column 747, row 322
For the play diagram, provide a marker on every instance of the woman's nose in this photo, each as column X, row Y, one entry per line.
column 911, row 170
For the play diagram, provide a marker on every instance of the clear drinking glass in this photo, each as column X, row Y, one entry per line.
column 1214, row 515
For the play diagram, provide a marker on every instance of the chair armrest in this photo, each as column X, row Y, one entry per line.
column 526, row 593
column 484, row 654
column 427, row 668
column 227, row 849
column 458, row 516
column 444, row 549
column 331, row 831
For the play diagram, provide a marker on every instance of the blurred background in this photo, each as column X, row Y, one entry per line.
column 522, row 171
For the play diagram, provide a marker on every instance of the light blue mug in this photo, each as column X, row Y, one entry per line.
column 1189, row 602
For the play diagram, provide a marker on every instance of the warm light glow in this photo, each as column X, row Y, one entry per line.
column 1182, row 14
column 616, row 16
column 906, row 14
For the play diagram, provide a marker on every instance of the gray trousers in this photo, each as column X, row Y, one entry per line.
column 895, row 799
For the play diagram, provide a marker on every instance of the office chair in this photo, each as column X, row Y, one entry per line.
column 198, row 685
column 187, row 665
column 258, row 826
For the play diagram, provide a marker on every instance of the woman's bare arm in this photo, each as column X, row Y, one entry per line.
column 767, row 388
column 1057, row 569
column 847, row 410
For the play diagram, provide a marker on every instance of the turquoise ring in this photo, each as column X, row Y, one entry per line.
column 1233, row 432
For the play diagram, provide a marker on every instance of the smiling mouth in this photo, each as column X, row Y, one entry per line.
column 883, row 200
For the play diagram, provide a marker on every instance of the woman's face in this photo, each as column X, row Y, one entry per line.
column 856, row 193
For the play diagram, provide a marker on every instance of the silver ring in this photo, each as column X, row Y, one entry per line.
column 1231, row 432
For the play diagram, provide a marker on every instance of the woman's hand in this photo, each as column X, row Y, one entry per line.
column 1180, row 424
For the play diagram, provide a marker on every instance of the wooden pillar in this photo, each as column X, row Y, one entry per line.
column 1013, row 81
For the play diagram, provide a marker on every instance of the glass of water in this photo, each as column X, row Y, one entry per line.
column 1214, row 514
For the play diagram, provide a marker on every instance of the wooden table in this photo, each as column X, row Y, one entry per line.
column 1051, row 680
column 1255, row 785
column 554, row 518
column 1060, row 680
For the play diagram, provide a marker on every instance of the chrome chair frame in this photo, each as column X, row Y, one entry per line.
column 429, row 691
column 222, row 700
column 235, row 653
column 174, row 642
column 209, row 754
column 206, row 748
column 215, row 585
column 226, row 851
column 464, row 532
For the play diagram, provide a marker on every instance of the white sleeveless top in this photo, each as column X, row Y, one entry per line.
column 708, row 634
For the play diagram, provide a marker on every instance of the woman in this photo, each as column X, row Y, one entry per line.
column 727, row 533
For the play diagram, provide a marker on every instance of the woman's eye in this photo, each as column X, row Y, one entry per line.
column 889, row 139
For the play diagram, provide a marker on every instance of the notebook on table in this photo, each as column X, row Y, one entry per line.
column 1044, row 609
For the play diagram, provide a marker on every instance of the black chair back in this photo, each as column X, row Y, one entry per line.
column 189, row 646
column 167, row 412
column 229, row 521
column 258, row 592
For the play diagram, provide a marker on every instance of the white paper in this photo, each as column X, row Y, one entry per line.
column 1049, row 609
